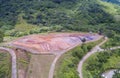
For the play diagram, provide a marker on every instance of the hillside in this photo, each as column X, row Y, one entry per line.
column 36, row 16
column 114, row 1
column 58, row 26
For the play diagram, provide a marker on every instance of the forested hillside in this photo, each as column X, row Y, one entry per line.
column 35, row 16
column 113, row 1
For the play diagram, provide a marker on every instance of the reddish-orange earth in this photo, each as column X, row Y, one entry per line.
column 51, row 43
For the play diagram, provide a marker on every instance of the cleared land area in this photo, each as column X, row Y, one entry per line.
column 45, row 50
column 51, row 43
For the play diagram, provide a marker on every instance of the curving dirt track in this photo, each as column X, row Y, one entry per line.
column 52, row 68
column 13, row 55
column 94, row 50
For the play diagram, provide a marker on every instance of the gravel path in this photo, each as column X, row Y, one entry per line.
column 13, row 55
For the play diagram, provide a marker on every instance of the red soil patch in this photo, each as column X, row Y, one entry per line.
column 50, row 43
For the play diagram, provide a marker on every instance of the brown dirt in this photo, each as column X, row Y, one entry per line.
column 49, row 43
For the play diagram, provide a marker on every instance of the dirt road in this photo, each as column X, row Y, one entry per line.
column 52, row 68
column 94, row 50
column 13, row 55
column 58, row 55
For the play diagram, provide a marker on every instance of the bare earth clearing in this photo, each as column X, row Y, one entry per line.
column 49, row 47
column 45, row 51
column 51, row 43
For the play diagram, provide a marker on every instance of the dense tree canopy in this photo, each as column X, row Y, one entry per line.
column 113, row 1
column 66, row 13
column 77, row 15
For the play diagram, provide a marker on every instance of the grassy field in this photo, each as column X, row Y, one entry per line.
column 5, row 65
column 39, row 66
column 112, row 62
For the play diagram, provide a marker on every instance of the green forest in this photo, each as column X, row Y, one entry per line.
column 113, row 1
column 24, row 17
